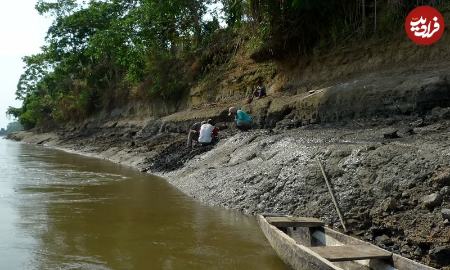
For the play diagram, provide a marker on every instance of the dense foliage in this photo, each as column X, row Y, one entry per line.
column 102, row 53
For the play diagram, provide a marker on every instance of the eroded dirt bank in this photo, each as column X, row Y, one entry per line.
column 393, row 187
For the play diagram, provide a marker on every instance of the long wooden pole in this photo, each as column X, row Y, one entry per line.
column 332, row 194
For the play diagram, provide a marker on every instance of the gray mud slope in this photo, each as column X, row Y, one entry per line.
column 393, row 187
column 381, row 184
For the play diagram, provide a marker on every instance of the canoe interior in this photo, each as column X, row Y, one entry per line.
column 335, row 250
column 321, row 237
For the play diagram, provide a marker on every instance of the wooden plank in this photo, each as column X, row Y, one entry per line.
column 351, row 253
column 282, row 222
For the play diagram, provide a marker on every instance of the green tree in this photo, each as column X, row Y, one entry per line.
column 97, row 51
column 234, row 12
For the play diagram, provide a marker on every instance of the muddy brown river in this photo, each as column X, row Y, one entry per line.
column 64, row 211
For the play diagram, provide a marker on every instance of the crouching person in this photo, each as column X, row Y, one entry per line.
column 193, row 134
column 208, row 133
column 242, row 119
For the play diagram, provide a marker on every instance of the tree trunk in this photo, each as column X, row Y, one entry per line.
column 375, row 18
column 364, row 16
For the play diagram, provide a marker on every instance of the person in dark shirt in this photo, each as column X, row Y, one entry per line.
column 260, row 91
column 215, row 132
column 193, row 133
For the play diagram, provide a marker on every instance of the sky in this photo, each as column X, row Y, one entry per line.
column 22, row 32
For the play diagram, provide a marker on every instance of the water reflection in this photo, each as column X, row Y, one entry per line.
column 63, row 211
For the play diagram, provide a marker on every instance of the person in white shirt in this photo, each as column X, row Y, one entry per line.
column 206, row 134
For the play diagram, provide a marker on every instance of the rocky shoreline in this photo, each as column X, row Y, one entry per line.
column 390, row 176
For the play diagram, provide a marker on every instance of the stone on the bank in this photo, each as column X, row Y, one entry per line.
column 442, row 178
column 440, row 113
column 391, row 134
column 445, row 191
column 404, row 132
column 432, row 200
column 406, row 249
column 445, row 213
column 383, row 239
column 441, row 255
column 389, row 204
column 418, row 123
column 418, row 252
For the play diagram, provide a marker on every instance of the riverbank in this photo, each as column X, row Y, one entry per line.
column 382, row 136
column 392, row 186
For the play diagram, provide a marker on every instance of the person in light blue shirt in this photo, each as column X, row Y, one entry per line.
column 242, row 119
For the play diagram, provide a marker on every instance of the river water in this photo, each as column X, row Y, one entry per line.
column 64, row 211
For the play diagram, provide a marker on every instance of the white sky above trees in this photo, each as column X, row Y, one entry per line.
column 22, row 32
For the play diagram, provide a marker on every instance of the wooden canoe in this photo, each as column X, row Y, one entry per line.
column 307, row 244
